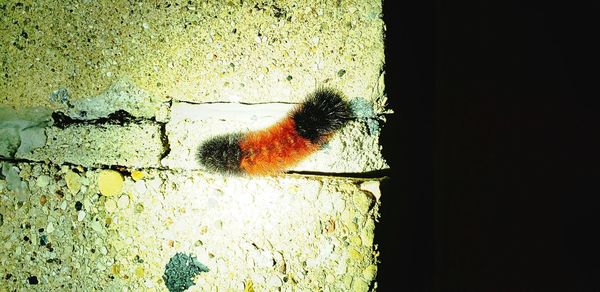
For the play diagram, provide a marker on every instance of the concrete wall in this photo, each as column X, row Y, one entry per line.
column 91, row 89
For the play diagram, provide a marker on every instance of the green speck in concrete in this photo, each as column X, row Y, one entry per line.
column 60, row 95
column 43, row 240
column 180, row 270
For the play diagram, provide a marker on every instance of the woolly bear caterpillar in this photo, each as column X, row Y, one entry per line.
column 272, row 150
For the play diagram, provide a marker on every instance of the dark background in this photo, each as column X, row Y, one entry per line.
column 493, row 153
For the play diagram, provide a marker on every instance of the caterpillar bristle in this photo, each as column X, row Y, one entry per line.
column 221, row 153
column 324, row 111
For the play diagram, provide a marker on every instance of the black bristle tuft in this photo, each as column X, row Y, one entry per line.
column 221, row 154
column 323, row 112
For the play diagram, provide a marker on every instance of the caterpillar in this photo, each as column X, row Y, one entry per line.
column 272, row 150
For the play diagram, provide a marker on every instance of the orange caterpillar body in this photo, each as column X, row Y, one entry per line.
column 282, row 145
column 273, row 149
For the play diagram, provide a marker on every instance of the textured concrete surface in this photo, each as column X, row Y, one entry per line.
column 197, row 51
column 291, row 233
column 134, row 145
column 134, row 86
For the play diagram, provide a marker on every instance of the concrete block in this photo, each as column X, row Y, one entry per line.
column 289, row 233
column 133, row 145
column 353, row 150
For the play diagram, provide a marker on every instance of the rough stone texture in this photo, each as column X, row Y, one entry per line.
column 292, row 233
column 197, row 51
column 134, row 145
column 122, row 95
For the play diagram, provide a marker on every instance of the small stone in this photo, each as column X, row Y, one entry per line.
column 110, row 183
column 43, row 181
column 78, row 206
column 138, row 259
column 362, row 202
column 85, row 181
column 354, row 254
column 96, row 226
column 33, row 280
column 263, row 259
column 36, row 170
column 139, row 271
column 123, row 202
column 248, row 286
column 355, row 240
column 73, row 181
column 315, row 40
column 137, row 175
column 347, row 280
column 116, row 269
column 339, row 204
column 352, row 227
column 80, row 215
column 274, row 281
column 63, row 205
column 372, row 187
column 50, row 228
column 104, row 250
column 118, row 245
column 369, row 272
column 330, row 226
column 110, row 206
column 43, row 199
column 43, row 239
column 359, row 285
column 140, row 187
column 139, row 208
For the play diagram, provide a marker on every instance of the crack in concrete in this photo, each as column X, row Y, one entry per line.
column 164, row 139
column 122, row 117
column 119, row 117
